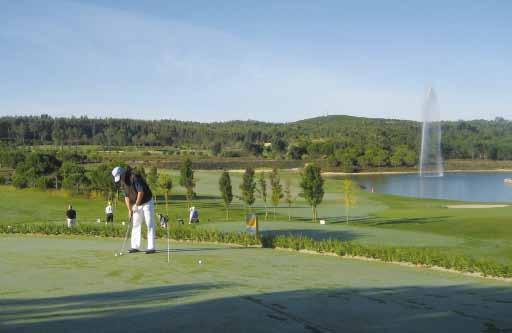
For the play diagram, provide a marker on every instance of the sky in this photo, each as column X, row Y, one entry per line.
column 276, row 61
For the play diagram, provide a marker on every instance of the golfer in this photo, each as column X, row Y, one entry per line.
column 71, row 216
column 139, row 201
column 109, row 212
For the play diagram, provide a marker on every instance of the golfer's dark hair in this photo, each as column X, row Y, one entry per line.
column 128, row 172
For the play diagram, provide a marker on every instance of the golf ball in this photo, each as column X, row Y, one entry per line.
column 121, row 253
column 199, row 262
column 122, row 222
column 115, row 254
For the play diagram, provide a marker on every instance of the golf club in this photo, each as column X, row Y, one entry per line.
column 126, row 235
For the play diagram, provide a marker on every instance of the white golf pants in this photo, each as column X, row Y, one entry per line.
column 71, row 222
column 144, row 212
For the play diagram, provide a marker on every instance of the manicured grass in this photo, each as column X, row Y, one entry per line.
column 416, row 255
column 56, row 284
column 378, row 220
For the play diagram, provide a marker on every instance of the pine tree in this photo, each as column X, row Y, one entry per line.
column 226, row 191
column 312, row 185
column 152, row 177
column 349, row 199
column 248, row 187
column 277, row 189
column 165, row 183
column 288, row 197
column 262, row 191
column 187, row 180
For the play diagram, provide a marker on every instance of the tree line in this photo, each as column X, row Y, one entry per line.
column 65, row 170
column 345, row 142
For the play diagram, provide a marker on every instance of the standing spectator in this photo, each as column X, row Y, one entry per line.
column 71, row 216
column 109, row 212
column 193, row 215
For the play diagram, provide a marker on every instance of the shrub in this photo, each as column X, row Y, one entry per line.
column 178, row 232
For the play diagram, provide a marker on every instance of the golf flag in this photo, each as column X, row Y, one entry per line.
column 251, row 223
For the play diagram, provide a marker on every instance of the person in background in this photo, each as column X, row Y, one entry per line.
column 193, row 216
column 164, row 220
column 109, row 212
column 71, row 216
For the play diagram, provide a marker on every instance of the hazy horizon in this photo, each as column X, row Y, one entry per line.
column 272, row 61
column 243, row 120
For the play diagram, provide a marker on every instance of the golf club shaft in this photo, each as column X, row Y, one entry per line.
column 126, row 235
column 168, row 245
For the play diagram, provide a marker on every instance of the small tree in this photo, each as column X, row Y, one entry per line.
column 152, row 177
column 101, row 181
column 312, row 185
column 248, row 187
column 165, row 183
column 226, row 191
column 349, row 199
column 73, row 176
column 262, row 191
column 277, row 189
column 288, row 197
column 216, row 148
column 187, row 179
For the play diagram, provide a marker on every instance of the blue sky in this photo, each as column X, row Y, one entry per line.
column 263, row 60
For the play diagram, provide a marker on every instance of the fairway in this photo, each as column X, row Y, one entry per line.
column 377, row 220
column 56, row 284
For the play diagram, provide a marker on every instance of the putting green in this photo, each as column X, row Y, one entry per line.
column 57, row 284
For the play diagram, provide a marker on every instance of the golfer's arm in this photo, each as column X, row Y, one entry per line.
column 139, row 198
column 127, row 202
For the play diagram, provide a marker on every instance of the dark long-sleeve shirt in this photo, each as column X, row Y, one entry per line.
column 71, row 214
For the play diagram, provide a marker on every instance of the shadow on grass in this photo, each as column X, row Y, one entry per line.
column 199, row 249
column 405, row 220
column 199, row 308
column 182, row 198
column 334, row 220
column 316, row 234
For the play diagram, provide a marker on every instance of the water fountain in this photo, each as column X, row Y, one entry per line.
column 431, row 160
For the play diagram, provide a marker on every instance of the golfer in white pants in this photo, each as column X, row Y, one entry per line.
column 144, row 212
column 139, row 201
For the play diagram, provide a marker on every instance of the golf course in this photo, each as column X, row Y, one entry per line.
column 279, row 166
column 52, row 282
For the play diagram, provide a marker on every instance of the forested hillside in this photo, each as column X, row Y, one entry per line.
column 348, row 142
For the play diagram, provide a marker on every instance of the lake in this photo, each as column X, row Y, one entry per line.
column 463, row 186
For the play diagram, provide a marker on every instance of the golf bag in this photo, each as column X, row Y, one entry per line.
column 164, row 220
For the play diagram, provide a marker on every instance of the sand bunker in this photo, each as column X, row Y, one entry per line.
column 476, row 206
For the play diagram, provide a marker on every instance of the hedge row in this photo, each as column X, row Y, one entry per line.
column 179, row 232
column 413, row 255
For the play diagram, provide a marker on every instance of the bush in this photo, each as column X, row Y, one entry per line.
column 415, row 255
column 178, row 232
column 44, row 182
column 20, row 181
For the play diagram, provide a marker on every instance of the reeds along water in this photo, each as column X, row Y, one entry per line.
column 431, row 160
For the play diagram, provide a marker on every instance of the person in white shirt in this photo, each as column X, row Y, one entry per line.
column 109, row 212
column 193, row 215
